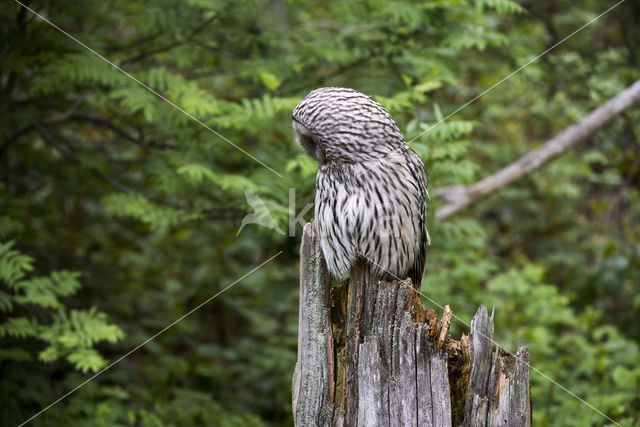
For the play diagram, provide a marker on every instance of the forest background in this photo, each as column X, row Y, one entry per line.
column 119, row 213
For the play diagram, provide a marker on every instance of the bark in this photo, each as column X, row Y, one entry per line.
column 498, row 390
column 369, row 354
column 458, row 197
column 312, row 388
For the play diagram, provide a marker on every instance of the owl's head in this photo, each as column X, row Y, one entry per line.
column 339, row 125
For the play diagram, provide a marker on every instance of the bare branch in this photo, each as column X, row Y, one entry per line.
column 458, row 197
column 104, row 122
column 68, row 113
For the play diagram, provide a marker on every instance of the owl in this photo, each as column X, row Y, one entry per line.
column 371, row 188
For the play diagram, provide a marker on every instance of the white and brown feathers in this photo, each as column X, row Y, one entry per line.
column 371, row 188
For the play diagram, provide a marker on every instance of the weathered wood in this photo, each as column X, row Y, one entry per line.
column 356, row 304
column 313, row 374
column 369, row 354
column 444, row 329
column 498, row 392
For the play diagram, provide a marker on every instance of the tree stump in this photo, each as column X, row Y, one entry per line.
column 369, row 354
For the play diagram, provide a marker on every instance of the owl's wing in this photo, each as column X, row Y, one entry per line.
column 416, row 168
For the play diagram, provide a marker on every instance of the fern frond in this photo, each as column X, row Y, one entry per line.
column 501, row 6
column 13, row 264
column 138, row 207
column 19, row 327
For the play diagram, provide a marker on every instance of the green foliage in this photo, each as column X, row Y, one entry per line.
column 137, row 206
column 33, row 309
column 101, row 177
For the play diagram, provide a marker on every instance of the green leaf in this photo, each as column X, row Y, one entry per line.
column 269, row 80
column 427, row 86
column 87, row 360
column 16, row 354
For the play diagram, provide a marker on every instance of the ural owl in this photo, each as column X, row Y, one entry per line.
column 371, row 188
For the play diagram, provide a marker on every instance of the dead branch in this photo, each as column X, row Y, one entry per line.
column 458, row 197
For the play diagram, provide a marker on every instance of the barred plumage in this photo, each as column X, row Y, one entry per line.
column 371, row 188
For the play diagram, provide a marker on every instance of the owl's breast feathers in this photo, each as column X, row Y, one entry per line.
column 375, row 211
